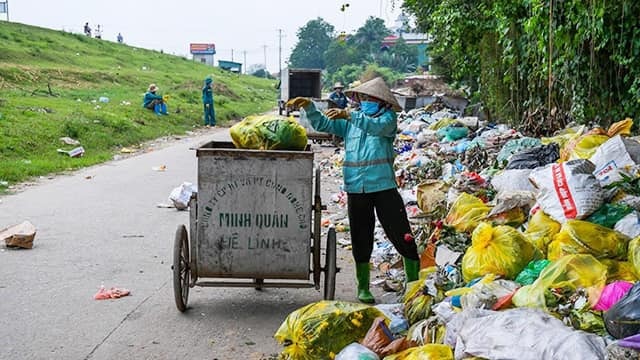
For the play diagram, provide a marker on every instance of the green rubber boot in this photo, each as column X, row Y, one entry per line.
column 362, row 275
column 411, row 269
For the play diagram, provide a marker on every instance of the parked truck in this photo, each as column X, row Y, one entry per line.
column 299, row 82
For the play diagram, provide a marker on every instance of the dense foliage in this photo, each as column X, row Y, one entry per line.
column 570, row 59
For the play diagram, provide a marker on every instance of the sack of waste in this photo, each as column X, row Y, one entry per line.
column 500, row 250
column 181, row 195
column 567, row 190
column 583, row 237
column 269, row 132
column 320, row 330
column 623, row 319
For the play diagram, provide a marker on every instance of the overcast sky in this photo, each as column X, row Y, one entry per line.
column 238, row 25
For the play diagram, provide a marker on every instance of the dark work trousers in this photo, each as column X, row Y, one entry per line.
column 389, row 207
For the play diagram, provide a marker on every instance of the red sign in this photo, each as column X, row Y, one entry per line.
column 202, row 48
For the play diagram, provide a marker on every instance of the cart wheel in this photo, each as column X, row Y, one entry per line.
column 330, row 268
column 181, row 272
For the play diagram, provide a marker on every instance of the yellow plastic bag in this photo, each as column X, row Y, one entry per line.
column 444, row 122
column 245, row 135
column 634, row 253
column 571, row 271
column 583, row 237
column 417, row 304
column 425, row 352
column 320, row 330
column 541, row 230
column 620, row 270
column 583, row 147
column 622, row 127
column 466, row 213
column 500, row 250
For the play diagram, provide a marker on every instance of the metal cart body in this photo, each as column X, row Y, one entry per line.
column 254, row 217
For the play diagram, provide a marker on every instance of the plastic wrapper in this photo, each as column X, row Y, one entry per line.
column 425, row 352
column 500, row 250
column 513, row 217
column 452, row 133
column 427, row 331
column 634, row 254
column 572, row 272
column 619, row 270
column 322, row 329
column 269, row 132
column 568, row 190
column 485, row 294
column 611, row 294
column 431, row 195
column 541, row 230
column 466, row 213
column 512, row 180
column 378, row 336
column 515, row 146
column 417, row 304
column 582, row 237
column 609, row 214
column 181, row 195
column 355, row 351
column 623, row 319
column 520, row 334
column 532, row 272
column 534, row 157
column 622, row 127
column 629, row 225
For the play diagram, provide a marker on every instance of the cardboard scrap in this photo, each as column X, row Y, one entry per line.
column 20, row 235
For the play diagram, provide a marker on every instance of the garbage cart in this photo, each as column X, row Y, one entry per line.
column 254, row 222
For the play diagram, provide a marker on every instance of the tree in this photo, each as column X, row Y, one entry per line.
column 339, row 53
column 313, row 40
column 368, row 38
column 400, row 57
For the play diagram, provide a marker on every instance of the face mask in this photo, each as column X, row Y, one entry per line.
column 369, row 107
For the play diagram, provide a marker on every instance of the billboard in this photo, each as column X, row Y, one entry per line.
column 202, row 49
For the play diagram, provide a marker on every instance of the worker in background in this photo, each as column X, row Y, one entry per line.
column 369, row 179
column 120, row 38
column 153, row 101
column 87, row 29
column 338, row 97
column 207, row 100
column 98, row 32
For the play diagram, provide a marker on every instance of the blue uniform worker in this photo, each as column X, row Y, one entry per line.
column 338, row 97
column 153, row 101
column 207, row 100
column 369, row 179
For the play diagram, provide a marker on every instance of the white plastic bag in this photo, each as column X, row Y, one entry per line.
column 629, row 225
column 180, row 196
column 355, row 351
column 567, row 190
column 614, row 156
column 512, row 180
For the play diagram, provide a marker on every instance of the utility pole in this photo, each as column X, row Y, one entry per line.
column 265, row 60
column 244, row 54
column 279, row 51
column 231, row 54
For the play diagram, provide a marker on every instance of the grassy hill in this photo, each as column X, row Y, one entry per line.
column 51, row 83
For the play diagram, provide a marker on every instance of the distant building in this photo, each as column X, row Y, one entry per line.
column 232, row 66
column 419, row 41
column 203, row 53
column 417, row 91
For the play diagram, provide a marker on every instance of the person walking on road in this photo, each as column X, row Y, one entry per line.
column 369, row 179
column 207, row 100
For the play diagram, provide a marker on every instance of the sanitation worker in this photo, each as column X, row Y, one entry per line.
column 338, row 97
column 207, row 100
column 153, row 101
column 369, row 179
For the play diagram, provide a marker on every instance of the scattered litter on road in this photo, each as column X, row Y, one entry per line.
column 74, row 153
column 112, row 293
column 181, row 195
column 159, row 168
column 20, row 235
column 69, row 141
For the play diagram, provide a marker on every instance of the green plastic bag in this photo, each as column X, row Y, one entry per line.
column 571, row 271
column 500, row 250
column 609, row 214
column 532, row 271
column 282, row 133
column 320, row 330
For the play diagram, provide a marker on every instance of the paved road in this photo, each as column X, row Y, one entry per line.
column 107, row 229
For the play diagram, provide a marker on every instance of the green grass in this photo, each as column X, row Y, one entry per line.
column 50, row 83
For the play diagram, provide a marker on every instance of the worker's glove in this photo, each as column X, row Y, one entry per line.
column 298, row 102
column 338, row 114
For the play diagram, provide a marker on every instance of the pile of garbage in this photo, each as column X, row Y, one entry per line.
column 529, row 248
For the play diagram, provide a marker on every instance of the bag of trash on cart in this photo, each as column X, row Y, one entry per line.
column 268, row 132
column 322, row 328
column 245, row 135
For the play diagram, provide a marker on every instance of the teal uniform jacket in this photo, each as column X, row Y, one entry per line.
column 368, row 142
column 207, row 94
column 149, row 97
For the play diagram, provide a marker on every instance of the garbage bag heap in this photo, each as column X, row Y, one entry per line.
column 530, row 248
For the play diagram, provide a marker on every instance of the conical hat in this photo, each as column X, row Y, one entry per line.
column 378, row 89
